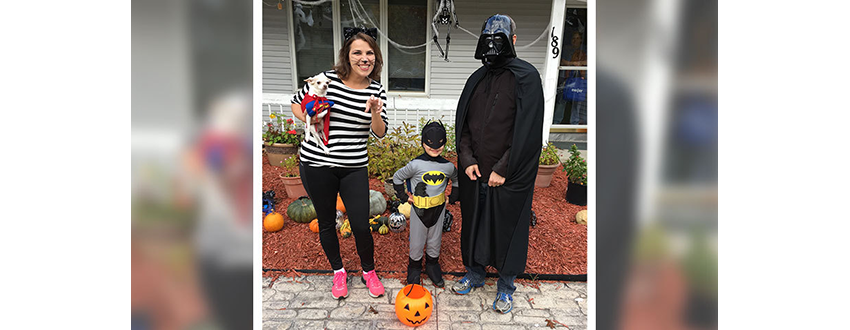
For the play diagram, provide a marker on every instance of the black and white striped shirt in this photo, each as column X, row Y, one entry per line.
column 349, row 125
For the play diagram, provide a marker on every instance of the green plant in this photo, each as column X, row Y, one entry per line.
column 290, row 167
column 449, row 150
column 401, row 145
column 549, row 155
column 576, row 167
column 281, row 130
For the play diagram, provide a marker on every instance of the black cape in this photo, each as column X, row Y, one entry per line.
column 503, row 240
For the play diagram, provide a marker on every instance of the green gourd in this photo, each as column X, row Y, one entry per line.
column 377, row 203
column 301, row 210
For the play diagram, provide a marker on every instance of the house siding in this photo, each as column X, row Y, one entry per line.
column 446, row 78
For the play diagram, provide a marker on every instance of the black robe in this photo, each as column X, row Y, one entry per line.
column 501, row 239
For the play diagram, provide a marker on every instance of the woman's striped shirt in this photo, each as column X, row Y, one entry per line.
column 349, row 125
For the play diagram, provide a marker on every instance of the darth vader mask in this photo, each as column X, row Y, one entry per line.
column 496, row 39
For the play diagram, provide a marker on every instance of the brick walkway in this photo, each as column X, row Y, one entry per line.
column 306, row 303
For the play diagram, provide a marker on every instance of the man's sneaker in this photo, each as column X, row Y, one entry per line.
column 340, row 285
column 376, row 289
column 465, row 285
column 503, row 303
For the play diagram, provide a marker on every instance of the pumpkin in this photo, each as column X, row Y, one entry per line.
column 301, row 210
column 339, row 205
column 581, row 217
column 404, row 209
column 377, row 203
column 373, row 224
column 397, row 222
column 383, row 230
column 345, row 232
column 314, row 225
column 273, row 222
column 414, row 305
column 383, row 220
column 339, row 219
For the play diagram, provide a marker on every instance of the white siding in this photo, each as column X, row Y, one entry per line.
column 277, row 68
column 447, row 78
column 531, row 17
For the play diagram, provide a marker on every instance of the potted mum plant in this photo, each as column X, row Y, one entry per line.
column 281, row 139
column 549, row 162
column 576, row 168
column 292, row 178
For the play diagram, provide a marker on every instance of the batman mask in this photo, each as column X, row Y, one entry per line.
column 434, row 135
column 496, row 39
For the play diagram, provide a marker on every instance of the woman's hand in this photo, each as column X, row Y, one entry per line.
column 374, row 103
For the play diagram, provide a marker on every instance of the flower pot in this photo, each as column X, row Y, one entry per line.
column 576, row 194
column 294, row 188
column 278, row 152
column 544, row 175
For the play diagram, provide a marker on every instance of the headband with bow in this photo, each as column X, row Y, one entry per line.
column 349, row 32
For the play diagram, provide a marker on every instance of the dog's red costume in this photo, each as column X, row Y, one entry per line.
column 314, row 105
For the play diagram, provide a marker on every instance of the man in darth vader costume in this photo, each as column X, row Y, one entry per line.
column 499, row 137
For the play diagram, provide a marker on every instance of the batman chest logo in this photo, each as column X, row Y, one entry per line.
column 434, row 178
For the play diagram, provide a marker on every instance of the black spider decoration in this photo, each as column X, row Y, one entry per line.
column 445, row 16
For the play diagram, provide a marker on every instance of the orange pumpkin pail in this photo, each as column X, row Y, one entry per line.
column 414, row 305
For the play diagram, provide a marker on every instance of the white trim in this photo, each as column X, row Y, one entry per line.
column 385, row 76
column 293, row 58
column 337, row 17
column 429, row 8
column 550, row 71
column 578, row 68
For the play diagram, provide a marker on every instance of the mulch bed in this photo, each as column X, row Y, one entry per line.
column 557, row 244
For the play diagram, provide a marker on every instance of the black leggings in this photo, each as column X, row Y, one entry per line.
column 352, row 184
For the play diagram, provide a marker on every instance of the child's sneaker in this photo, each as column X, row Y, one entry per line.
column 376, row 289
column 340, row 285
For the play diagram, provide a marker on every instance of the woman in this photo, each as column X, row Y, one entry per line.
column 358, row 108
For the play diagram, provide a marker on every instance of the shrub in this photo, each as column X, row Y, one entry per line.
column 576, row 167
column 401, row 145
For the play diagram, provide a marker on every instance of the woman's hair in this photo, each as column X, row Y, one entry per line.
column 343, row 65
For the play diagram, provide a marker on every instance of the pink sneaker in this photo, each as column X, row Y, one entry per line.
column 376, row 289
column 340, row 287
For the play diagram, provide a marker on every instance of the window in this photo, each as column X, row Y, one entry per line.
column 312, row 39
column 571, row 102
column 405, row 22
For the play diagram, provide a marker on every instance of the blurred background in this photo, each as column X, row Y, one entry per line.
column 656, row 164
column 192, row 164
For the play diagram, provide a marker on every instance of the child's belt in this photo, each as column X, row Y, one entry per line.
column 429, row 202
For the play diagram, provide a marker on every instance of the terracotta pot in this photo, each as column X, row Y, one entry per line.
column 544, row 175
column 576, row 194
column 278, row 152
column 294, row 188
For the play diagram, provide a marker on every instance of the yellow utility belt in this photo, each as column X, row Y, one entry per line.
column 429, row 202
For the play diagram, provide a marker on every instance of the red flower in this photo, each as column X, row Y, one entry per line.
column 289, row 120
column 291, row 132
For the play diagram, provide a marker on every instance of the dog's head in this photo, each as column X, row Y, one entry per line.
column 319, row 84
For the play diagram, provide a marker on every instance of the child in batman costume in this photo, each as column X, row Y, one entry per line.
column 428, row 174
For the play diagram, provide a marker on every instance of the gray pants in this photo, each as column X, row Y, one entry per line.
column 420, row 236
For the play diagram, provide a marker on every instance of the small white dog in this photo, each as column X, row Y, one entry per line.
column 318, row 104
